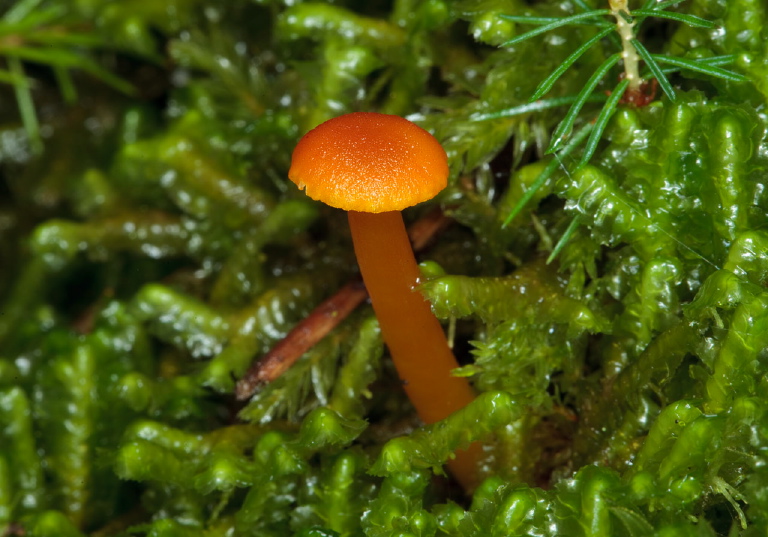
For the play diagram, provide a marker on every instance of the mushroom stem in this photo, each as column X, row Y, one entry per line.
column 413, row 334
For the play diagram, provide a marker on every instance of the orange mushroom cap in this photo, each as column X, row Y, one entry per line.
column 369, row 162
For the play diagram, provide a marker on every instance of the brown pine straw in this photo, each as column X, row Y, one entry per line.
column 325, row 317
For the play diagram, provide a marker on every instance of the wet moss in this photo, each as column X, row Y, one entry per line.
column 603, row 278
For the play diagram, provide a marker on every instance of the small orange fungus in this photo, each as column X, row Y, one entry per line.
column 374, row 165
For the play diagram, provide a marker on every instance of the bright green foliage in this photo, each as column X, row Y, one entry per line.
column 359, row 371
column 603, row 280
column 46, row 33
column 434, row 444
column 511, row 356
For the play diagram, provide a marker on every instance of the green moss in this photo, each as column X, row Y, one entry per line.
column 603, row 279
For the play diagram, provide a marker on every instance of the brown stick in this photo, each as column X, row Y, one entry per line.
column 301, row 338
column 325, row 317
column 426, row 228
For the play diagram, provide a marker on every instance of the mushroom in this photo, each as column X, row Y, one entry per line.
column 373, row 166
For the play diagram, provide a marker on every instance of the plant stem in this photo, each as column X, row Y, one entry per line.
column 625, row 25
